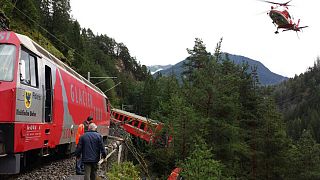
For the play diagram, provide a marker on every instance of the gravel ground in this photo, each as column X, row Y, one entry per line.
column 62, row 169
column 54, row 170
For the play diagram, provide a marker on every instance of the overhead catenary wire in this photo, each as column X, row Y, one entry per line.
column 14, row 6
column 60, row 41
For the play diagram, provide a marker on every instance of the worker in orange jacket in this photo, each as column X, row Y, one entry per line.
column 82, row 128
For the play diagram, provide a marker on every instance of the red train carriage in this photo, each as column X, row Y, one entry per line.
column 146, row 129
column 42, row 102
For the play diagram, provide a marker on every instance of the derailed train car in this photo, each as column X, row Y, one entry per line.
column 141, row 127
column 42, row 102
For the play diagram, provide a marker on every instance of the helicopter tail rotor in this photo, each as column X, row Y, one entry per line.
column 298, row 23
column 297, row 28
column 302, row 27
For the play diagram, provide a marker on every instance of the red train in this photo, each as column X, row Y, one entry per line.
column 42, row 102
column 139, row 126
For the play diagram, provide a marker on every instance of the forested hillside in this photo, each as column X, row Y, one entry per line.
column 224, row 125
column 265, row 76
column 50, row 24
column 298, row 100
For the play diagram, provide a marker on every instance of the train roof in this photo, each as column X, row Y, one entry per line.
column 40, row 51
column 136, row 116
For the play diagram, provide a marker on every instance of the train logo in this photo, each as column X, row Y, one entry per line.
column 27, row 98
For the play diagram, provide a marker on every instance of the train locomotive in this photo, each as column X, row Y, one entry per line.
column 42, row 102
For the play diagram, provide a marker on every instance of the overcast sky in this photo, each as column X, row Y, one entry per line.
column 158, row 32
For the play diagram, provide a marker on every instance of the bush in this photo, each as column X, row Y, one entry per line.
column 123, row 171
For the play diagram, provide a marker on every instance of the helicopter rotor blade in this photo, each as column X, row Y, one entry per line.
column 297, row 35
column 301, row 27
column 269, row 2
column 280, row 4
column 264, row 12
column 286, row 3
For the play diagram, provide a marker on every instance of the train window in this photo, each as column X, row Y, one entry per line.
column 24, row 69
column 116, row 116
column 136, row 123
column 28, row 69
column 126, row 118
column 33, row 71
column 7, row 58
column 120, row 118
column 150, row 128
column 142, row 125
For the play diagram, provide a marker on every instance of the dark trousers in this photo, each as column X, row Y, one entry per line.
column 79, row 166
column 90, row 171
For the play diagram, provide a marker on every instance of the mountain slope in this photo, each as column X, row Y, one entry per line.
column 266, row 77
column 155, row 68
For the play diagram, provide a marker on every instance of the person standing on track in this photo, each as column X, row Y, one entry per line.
column 90, row 147
column 81, row 130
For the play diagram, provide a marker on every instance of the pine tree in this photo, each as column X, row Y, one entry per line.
column 198, row 58
column 304, row 158
column 200, row 164
column 27, row 12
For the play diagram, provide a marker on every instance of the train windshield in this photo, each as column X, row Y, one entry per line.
column 7, row 58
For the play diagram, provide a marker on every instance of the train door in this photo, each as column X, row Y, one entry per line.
column 47, row 106
column 48, row 95
column 29, row 94
column 29, row 102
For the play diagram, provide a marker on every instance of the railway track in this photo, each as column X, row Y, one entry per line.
column 61, row 167
column 50, row 168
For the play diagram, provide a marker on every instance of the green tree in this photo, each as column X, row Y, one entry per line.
column 27, row 12
column 201, row 165
column 45, row 7
column 60, row 25
column 303, row 158
column 198, row 58
column 270, row 142
column 310, row 156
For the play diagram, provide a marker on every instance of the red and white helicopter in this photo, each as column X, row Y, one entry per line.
column 281, row 17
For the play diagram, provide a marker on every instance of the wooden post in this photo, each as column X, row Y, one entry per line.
column 119, row 153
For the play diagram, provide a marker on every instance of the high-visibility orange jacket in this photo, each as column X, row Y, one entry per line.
column 80, row 132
